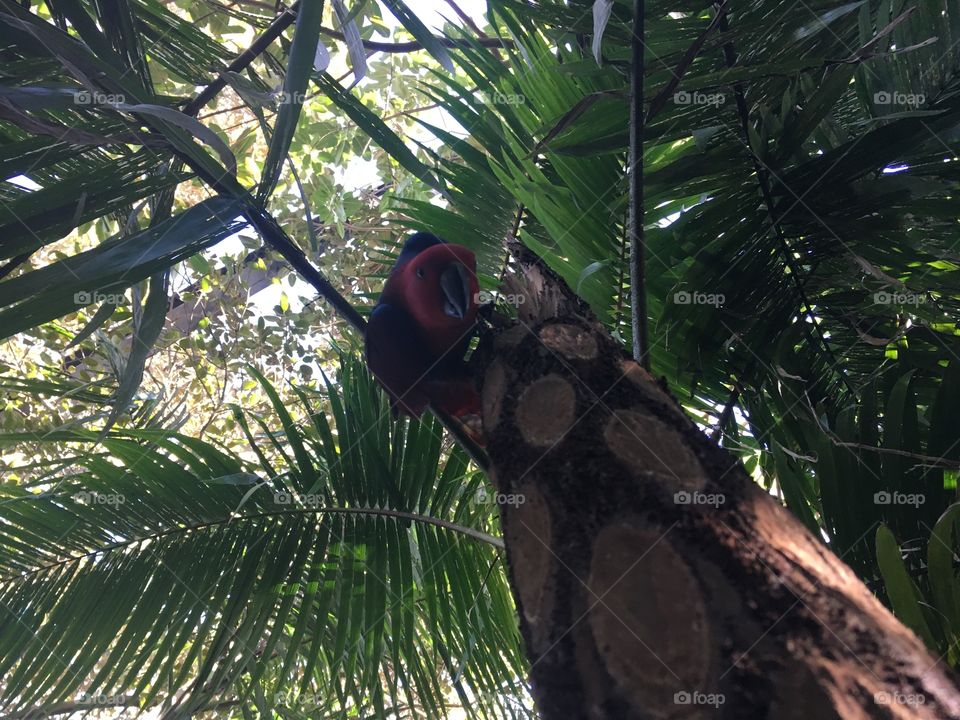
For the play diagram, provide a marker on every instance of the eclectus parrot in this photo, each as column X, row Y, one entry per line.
column 420, row 328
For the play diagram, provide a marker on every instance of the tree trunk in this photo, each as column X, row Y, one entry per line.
column 653, row 578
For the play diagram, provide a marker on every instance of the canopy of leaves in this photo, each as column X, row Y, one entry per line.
column 802, row 253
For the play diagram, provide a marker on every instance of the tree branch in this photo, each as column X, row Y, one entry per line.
column 638, row 290
column 244, row 59
column 726, row 413
column 14, row 263
column 468, row 21
column 413, row 45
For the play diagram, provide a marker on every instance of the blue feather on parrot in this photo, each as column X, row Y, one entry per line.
column 420, row 329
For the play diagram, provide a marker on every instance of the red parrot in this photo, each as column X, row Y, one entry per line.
column 420, row 328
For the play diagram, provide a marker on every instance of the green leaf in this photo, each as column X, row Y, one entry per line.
column 602, row 10
column 901, row 591
column 378, row 131
column 420, row 31
column 943, row 442
column 824, row 19
column 103, row 313
column 794, row 491
column 185, row 122
column 589, row 270
column 61, row 287
column 351, row 35
column 348, row 596
column 145, row 334
column 299, row 68
column 944, row 584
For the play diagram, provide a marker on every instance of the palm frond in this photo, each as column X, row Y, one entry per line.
column 355, row 565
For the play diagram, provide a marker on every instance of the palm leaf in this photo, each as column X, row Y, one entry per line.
column 354, row 564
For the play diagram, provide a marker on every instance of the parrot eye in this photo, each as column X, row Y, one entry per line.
column 420, row 272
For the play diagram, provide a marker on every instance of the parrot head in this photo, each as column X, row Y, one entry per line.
column 437, row 284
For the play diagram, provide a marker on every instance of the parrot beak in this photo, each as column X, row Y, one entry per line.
column 455, row 283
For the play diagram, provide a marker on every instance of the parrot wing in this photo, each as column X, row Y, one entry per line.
column 398, row 357
column 412, row 377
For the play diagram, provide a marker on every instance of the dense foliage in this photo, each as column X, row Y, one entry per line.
column 222, row 468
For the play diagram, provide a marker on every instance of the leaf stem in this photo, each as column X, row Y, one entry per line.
column 638, row 291
column 379, row 512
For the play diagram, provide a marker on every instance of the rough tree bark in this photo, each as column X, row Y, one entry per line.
column 653, row 578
